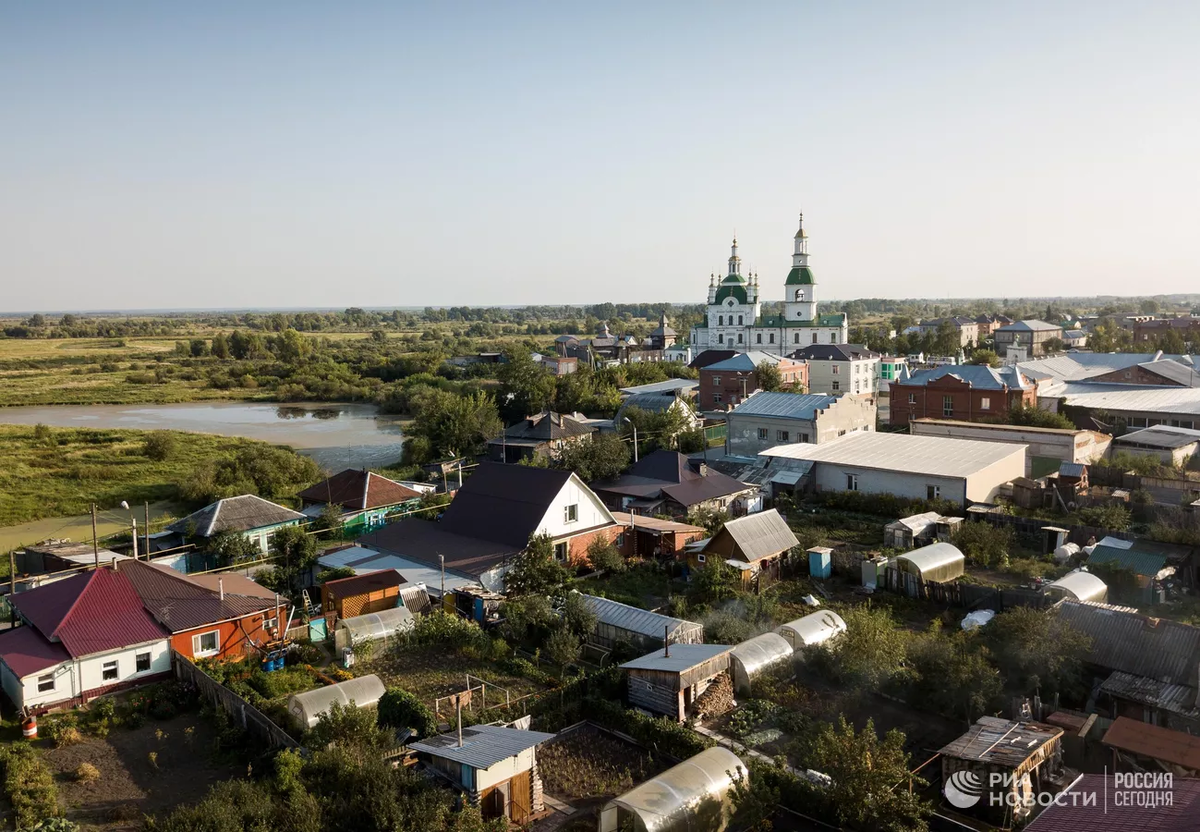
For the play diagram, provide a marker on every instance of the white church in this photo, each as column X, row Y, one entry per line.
column 734, row 320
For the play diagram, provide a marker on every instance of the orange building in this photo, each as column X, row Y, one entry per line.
column 230, row 620
column 362, row 594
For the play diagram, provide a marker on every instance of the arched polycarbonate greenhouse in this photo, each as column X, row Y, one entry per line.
column 812, row 629
column 307, row 707
column 374, row 625
column 937, row 562
column 693, row 796
column 1078, row 586
column 755, row 655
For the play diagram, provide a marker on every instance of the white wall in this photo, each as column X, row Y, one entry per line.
column 506, row 769
column 90, row 669
column 982, row 486
column 591, row 512
column 832, row 477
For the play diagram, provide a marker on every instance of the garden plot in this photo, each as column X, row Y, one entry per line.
column 589, row 765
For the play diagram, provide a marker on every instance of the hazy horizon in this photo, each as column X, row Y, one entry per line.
column 381, row 155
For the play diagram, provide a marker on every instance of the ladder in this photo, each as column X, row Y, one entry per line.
column 312, row 609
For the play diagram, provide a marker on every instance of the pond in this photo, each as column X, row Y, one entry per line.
column 337, row 436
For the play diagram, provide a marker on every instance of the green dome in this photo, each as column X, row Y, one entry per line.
column 733, row 280
column 738, row 293
column 800, row 276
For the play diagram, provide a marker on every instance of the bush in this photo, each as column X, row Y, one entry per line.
column 160, row 445
column 985, row 544
column 400, row 709
column 603, row 555
column 87, row 773
column 28, row 784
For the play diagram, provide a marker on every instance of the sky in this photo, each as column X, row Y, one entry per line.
column 297, row 154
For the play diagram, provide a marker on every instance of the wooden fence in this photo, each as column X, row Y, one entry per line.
column 958, row 594
column 247, row 716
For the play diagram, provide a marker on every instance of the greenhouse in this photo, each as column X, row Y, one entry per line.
column 372, row 626
column 1078, row 586
column 755, row 655
column 936, row 563
column 307, row 707
column 816, row 628
column 694, row 796
column 645, row 630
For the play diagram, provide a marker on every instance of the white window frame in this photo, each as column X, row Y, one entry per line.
column 835, row 369
column 137, row 657
column 270, row 622
column 782, row 436
column 912, row 398
column 933, row 492
column 947, row 406
column 571, row 513
column 46, row 683
column 700, row 557
column 852, row 482
column 197, row 649
column 764, row 434
column 985, row 403
column 115, row 666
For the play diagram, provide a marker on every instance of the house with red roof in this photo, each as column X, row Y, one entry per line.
column 234, row 619
column 79, row 638
column 363, row 498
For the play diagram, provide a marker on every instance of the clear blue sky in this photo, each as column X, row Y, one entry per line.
column 324, row 154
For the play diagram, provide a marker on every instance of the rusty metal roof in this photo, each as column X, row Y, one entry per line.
column 1146, row 740
column 1123, row 639
column 1002, row 741
column 1179, row 699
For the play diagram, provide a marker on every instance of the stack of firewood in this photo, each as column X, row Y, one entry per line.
column 715, row 701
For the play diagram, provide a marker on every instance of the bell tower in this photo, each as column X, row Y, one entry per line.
column 800, row 288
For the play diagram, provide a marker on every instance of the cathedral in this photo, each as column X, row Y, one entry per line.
column 734, row 319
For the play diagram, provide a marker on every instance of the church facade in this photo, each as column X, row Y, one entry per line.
column 734, row 318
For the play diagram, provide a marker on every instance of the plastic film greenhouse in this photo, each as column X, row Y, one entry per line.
column 816, row 628
column 938, row 562
column 755, row 655
column 307, row 707
column 1078, row 586
column 375, row 625
column 694, row 796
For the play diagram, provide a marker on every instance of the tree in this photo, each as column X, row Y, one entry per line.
column 953, row 675
column 1052, row 345
column 984, row 543
column 330, row 522
column 603, row 555
column 563, row 648
column 268, row 471
column 577, row 616
column 526, row 387
column 714, row 582
column 452, row 424
column 870, row 778
column 350, row 727
column 985, row 357
column 160, row 445
column 220, row 346
column 36, row 321
column 295, row 553
column 1036, row 651
column 713, row 520
column 528, row 618
column 290, row 346
column 399, row 709
column 769, row 377
column 947, row 340
column 1030, row 416
column 536, row 572
column 232, row 547
column 871, row 654
column 602, row 457
column 335, row 574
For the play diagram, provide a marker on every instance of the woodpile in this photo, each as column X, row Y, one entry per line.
column 715, row 701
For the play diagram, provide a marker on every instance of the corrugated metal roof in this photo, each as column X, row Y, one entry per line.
column 27, row 652
column 1151, row 741
column 931, row 455
column 1160, row 436
column 1123, row 639
column 1001, row 742
column 483, row 745
column 682, row 657
column 784, row 405
column 179, row 604
column 1028, row 325
column 1140, row 562
column 1179, row 699
column 235, row 514
column 1071, row 469
column 979, row 376
column 1078, row 809
column 759, row 535
column 660, row 387
column 643, row 622
column 1130, row 397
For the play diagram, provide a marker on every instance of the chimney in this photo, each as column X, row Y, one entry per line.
column 458, row 708
column 115, row 567
column 221, row 587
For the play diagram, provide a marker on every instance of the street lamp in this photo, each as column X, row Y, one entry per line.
column 635, row 442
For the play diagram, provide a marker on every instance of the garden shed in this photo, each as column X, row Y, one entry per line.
column 669, row 681
column 755, row 655
column 362, row 594
column 816, row 628
column 1079, row 586
column 645, row 630
column 375, row 625
column 694, row 795
column 935, row 563
column 307, row 707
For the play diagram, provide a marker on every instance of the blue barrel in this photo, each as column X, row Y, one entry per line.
column 277, row 663
column 268, row 666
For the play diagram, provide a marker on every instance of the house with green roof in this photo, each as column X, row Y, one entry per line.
column 734, row 319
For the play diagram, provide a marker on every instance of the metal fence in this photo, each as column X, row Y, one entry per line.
column 250, row 718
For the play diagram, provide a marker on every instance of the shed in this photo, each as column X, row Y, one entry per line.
column 755, row 655
column 1013, row 760
column 372, row 626
column 1079, row 585
column 936, row 563
column 758, row 541
column 1173, row 751
column 816, row 628
column 820, row 561
column 907, row 532
column 361, row 594
column 692, row 795
column 669, row 681
column 643, row 629
column 307, row 707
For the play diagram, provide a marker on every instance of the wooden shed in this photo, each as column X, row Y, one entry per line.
column 754, row 544
column 669, row 681
column 1026, row 756
column 362, row 594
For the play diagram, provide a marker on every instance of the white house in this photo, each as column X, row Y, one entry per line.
column 79, row 638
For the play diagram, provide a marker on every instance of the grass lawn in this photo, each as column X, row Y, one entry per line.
column 76, row 467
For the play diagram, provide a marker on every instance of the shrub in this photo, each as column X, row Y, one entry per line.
column 603, row 555
column 87, row 773
column 29, row 785
column 160, row 445
column 400, row 709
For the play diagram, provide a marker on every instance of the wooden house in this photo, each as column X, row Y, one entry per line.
column 669, row 681
column 251, row 516
column 363, row 499
column 1014, row 762
column 755, row 545
column 495, row 765
column 361, row 594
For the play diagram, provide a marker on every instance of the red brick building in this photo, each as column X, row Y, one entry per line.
column 969, row 393
column 726, row 383
column 1148, row 331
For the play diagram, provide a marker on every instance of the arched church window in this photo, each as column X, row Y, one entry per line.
column 739, row 320
column 720, row 339
column 739, row 338
column 814, row 337
column 796, row 338
column 800, row 295
column 720, row 320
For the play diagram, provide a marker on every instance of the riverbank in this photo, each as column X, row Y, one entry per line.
column 58, row 473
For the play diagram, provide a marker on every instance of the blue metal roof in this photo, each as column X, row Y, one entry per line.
column 979, row 376
column 784, row 405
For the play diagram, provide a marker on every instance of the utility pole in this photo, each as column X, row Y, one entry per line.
column 95, row 542
column 442, row 561
column 133, row 525
column 147, row 547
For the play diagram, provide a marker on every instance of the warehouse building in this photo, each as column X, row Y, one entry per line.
column 1046, row 448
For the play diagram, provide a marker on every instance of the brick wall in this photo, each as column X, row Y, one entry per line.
column 908, row 401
